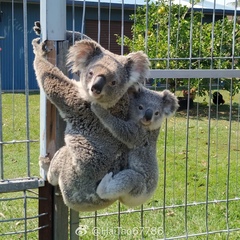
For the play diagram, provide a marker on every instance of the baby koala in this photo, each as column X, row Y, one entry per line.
column 136, row 184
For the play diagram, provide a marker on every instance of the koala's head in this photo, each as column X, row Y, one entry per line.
column 149, row 107
column 104, row 76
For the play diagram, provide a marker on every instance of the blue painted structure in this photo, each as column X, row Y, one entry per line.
column 12, row 45
column 11, row 28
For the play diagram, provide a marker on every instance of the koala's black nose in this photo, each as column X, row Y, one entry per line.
column 98, row 84
column 148, row 114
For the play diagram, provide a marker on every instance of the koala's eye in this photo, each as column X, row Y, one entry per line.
column 140, row 107
column 113, row 83
column 90, row 73
column 156, row 113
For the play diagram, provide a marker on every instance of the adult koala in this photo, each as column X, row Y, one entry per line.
column 90, row 151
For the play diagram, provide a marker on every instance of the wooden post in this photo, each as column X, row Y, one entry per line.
column 57, row 217
column 53, row 27
column 60, row 209
column 74, row 224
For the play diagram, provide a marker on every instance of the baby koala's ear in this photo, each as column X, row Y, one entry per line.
column 81, row 53
column 135, row 89
column 170, row 103
column 139, row 66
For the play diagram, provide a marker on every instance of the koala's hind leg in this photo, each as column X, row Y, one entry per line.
column 128, row 185
column 56, row 165
column 52, row 175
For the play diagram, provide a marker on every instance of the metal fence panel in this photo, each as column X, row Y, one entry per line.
column 198, row 149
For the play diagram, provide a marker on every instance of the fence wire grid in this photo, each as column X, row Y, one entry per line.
column 194, row 51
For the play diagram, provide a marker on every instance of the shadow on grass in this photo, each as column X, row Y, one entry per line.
column 221, row 112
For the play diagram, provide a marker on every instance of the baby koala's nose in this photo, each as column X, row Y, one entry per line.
column 98, row 84
column 148, row 114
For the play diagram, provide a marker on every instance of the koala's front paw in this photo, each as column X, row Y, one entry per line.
column 40, row 48
column 94, row 106
column 102, row 189
column 35, row 43
column 44, row 163
column 99, row 110
column 37, row 28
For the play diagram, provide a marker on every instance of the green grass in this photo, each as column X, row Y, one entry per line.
column 15, row 157
column 15, row 128
column 195, row 174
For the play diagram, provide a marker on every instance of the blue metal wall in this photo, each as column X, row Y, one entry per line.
column 12, row 46
column 12, row 50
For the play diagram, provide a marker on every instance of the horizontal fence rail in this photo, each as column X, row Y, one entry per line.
column 20, row 184
column 199, row 73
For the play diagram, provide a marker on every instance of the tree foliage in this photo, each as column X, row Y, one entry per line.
column 176, row 37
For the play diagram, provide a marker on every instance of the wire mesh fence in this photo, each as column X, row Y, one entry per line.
column 198, row 189
column 19, row 124
column 194, row 51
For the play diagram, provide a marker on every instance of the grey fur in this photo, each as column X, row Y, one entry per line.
column 90, row 151
column 136, row 184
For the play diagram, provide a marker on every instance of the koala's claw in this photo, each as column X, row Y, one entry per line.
column 44, row 162
column 40, row 48
column 37, row 28
column 35, row 42
column 93, row 106
column 45, row 47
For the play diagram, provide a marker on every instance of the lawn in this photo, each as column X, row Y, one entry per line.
column 15, row 158
column 198, row 162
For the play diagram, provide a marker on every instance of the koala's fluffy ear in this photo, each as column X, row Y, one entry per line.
column 135, row 89
column 139, row 66
column 170, row 103
column 81, row 53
